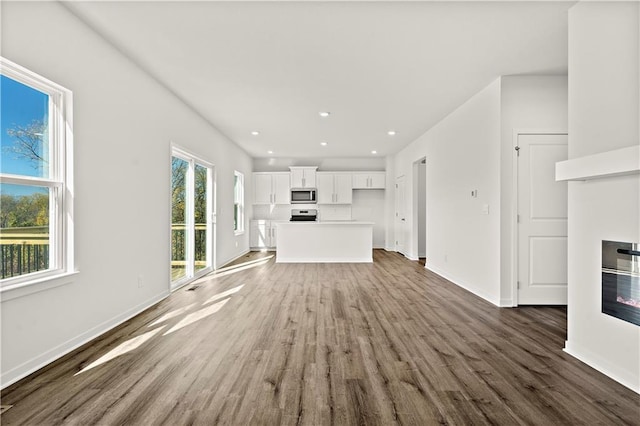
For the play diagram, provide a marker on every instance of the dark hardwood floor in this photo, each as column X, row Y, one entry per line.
column 314, row 344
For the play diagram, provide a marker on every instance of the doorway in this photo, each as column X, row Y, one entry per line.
column 192, row 233
column 541, row 220
column 419, row 228
column 400, row 218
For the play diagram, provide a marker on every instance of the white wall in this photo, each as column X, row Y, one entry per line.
column 368, row 206
column 604, row 112
column 124, row 122
column 462, row 154
column 472, row 149
column 527, row 103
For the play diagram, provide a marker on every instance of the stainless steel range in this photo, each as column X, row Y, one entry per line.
column 308, row 215
column 621, row 280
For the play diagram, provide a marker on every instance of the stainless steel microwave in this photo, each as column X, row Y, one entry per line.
column 303, row 196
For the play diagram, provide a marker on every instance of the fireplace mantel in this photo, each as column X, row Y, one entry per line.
column 625, row 161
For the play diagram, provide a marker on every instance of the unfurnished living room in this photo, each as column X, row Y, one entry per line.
column 320, row 212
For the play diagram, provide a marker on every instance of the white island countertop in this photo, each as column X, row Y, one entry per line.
column 347, row 241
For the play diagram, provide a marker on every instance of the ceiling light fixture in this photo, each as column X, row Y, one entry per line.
column 255, row 133
column 269, row 152
column 374, row 152
column 323, row 143
column 324, row 114
column 391, row 132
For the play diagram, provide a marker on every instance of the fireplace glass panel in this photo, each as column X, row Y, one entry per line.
column 621, row 280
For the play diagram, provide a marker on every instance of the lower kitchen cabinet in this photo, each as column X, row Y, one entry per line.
column 263, row 234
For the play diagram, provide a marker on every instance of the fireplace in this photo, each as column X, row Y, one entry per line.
column 621, row 280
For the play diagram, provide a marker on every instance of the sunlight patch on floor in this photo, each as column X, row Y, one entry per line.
column 234, row 268
column 123, row 348
column 197, row 316
column 223, row 294
column 237, row 265
column 171, row 314
column 239, row 269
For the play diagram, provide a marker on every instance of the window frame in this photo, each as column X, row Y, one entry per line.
column 59, row 180
column 238, row 202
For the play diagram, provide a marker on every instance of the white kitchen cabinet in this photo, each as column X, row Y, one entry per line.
column 303, row 177
column 258, row 235
column 271, row 188
column 263, row 234
column 334, row 188
column 369, row 180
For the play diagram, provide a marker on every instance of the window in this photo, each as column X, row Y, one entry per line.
column 238, row 202
column 35, row 170
column 191, row 210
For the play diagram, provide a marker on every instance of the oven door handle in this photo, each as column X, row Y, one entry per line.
column 629, row 252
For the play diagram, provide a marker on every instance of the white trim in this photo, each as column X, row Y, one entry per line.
column 59, row 180
column 28, row 77
column 619, row 162
column 37, row 362
column 36, row 284
column 193, row 161
column 30, row 180
column 514, row 208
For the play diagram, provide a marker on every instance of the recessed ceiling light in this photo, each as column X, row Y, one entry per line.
column 255, row 133
column 374, row 152
column 324, row 113
column 323, row 143
column 269, row 152
column 391, row 132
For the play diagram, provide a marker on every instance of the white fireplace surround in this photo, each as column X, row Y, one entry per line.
column 624, row 161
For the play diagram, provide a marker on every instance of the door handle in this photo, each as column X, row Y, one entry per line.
column 629, row 252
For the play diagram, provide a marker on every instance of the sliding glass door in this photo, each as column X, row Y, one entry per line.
column 191, row 217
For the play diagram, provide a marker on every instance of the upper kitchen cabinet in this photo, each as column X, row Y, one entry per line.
column 369, row 180
column 334, row 188
column 303, row 177
column 271, row 188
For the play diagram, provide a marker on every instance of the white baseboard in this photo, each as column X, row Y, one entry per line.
column 23, row 370
column 622, row 376
column 461, row 283
column 235, row 257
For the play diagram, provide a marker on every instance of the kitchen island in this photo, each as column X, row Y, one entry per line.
column 325, row 242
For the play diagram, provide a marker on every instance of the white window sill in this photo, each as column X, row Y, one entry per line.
column 236, row 233
column 25, row 288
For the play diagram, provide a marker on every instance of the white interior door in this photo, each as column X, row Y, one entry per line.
column 401, row 222
column 542, row 220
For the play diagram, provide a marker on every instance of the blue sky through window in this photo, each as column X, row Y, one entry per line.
column 20, row 106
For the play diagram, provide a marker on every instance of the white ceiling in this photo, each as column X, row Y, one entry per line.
column 376, row 66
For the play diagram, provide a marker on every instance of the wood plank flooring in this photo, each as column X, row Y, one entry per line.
column 314, row 344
